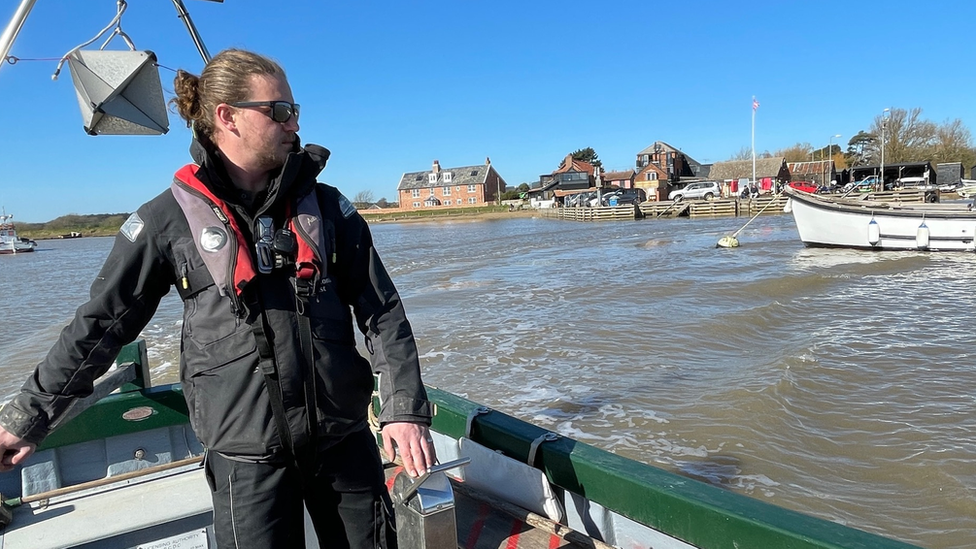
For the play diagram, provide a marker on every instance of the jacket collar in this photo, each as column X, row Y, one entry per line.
column 295, row 178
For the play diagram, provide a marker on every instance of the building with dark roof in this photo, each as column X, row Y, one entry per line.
column 821, row 172
column 460, row 187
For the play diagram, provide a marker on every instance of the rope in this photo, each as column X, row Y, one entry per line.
column 771, row 200
column 116, row 22
column 13, row 60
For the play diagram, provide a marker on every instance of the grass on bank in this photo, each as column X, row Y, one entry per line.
column 108, row 224
column 87, row 225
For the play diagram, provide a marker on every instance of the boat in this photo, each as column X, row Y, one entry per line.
column 966, row 188
column 125, row 471
column 869, row 222
column 10, row 243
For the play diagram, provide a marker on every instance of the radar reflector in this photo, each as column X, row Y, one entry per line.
column 119, row 92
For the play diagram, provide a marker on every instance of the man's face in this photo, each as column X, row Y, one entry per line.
column 264, row 142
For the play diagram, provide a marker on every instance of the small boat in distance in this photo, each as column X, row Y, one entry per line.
column 864, row 222
column 10, row 243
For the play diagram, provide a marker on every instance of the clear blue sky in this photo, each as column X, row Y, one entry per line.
column 391, row 86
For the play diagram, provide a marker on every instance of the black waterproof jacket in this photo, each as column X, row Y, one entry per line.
column 219, row 369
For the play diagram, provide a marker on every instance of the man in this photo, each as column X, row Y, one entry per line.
column 270, row 265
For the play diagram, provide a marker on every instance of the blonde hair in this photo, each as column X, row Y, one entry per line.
column 225, row 79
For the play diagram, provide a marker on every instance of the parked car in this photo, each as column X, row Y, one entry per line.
column 865, row 185
column 805, row 186
column 700, row 189
column 625, row 196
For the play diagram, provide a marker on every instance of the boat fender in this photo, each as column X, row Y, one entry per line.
column 922, row 236
column 789, row 206
column 874, row 233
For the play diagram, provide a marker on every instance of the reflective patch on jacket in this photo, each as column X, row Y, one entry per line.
column 132, row 227
column 346, row 207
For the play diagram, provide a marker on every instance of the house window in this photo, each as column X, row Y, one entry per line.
column 415, row 193
column 432, row 178
column 472, row 188
column 416, row 204
column 446, row 191
column 447, row 177
column 447, row 202
column 473, row 200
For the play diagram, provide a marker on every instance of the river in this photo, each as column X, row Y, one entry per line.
column 837, row 383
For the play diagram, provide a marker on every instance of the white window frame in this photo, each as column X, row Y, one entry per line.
column 472, row 188
column 447, row 177
column 432, row 178
column 415, row 193
column 416, row 204
column 446, row 191
column 473, row 200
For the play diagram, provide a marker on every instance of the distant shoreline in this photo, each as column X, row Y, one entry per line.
column 38, row 231
column 419, row 217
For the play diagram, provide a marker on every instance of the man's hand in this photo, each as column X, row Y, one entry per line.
column 413, row 442
column 13, row 450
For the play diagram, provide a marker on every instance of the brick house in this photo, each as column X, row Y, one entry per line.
column 660, row 165
column 461, row 187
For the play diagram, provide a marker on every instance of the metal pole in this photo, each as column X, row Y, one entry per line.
column 830, row 154
column 13, row 28
column 197, row 41
column 884, row 125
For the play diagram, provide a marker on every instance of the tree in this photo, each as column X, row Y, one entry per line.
column 953, row 143
column 363, row 199
column 859, row 149
column 907, row 137
column 523, row 188
column 745, row 153
column 382, row 203
column 588, row 155
column 799, row 152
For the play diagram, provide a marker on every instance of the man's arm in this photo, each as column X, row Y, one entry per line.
column 124, row 297
column 405, row 412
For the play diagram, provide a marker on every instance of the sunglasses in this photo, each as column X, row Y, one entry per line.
column 281, row 111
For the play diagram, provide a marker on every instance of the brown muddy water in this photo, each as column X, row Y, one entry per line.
column 837, row 383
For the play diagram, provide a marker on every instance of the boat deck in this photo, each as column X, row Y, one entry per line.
column 487, row 523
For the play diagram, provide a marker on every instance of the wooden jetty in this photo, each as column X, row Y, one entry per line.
column 769, row 204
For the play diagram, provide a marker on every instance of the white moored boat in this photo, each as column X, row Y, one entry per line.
column 861, row 222
column 10, row 243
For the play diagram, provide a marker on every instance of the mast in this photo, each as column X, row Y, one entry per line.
column 13, row 28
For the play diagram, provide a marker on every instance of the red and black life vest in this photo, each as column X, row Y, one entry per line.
column 224, row 248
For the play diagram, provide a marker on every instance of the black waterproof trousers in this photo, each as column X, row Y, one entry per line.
column 259, row 505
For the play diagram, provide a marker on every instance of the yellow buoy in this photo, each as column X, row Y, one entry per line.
column 728, row 242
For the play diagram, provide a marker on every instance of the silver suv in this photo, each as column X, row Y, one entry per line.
column 702, row 189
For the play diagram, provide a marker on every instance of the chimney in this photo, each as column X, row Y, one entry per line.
column 487, row 161
column 437, row 167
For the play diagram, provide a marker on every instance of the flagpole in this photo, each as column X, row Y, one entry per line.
column 753, row 181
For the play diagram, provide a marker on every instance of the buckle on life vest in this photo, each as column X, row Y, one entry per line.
column 304, row 287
